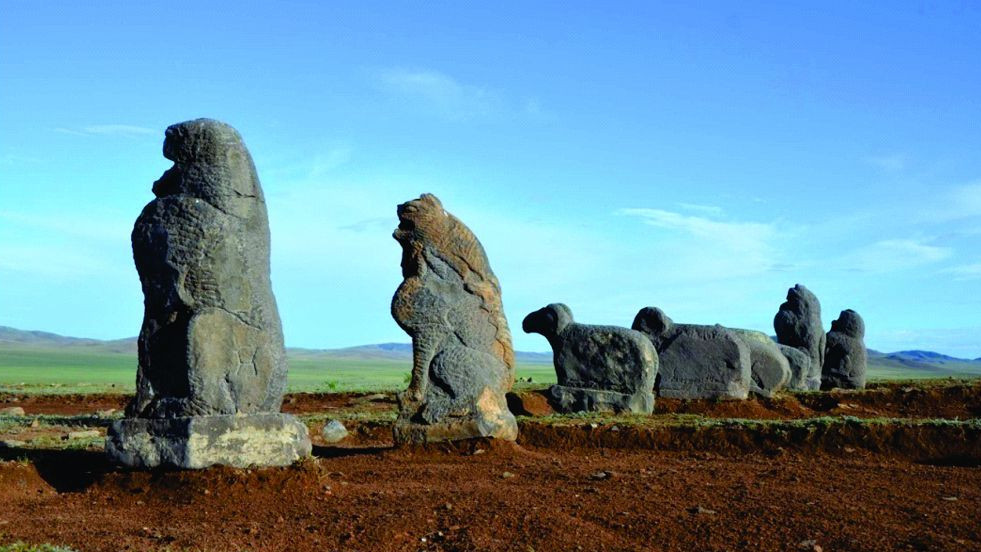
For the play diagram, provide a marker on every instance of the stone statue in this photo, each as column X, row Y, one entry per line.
column 846, row 359
column 697, row 362
column 450, row 303
column 599, row 368
column 798, row 325
column 212, row 365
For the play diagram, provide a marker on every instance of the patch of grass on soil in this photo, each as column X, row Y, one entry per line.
column 22, row 547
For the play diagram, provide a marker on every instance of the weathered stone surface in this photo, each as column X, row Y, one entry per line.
column 798, row 324
column 599, row 368
column 12, row 411
column 450, row 304
column 211, row 344
column 530, row 403
column 193, row 442
column 770, row 370
column 800, row 369
column 696, row 362
column 334, row 431
column 846, row 359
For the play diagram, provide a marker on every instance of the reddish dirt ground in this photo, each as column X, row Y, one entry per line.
column 506, row 498
column 958, row 399
column 569, row 484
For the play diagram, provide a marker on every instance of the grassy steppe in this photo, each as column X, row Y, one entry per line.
column 78, row 370
column 47, row 370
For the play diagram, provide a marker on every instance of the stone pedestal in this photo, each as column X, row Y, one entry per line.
column 500, row 426
column 576, row 399
column 200, row 441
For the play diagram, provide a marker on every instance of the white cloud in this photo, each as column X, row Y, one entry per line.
column 895, row 254
column 11, row 159
column 62, row 261
column 332, row 159
column 706, row 209
column 955, row 203
column 749, row 239
column 965, row 201
column 104, row 226
column 442, row 93
column 890, row 163
column 964, row 272
column 128, row 131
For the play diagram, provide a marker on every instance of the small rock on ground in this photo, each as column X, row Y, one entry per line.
column 334, row 431
column 12, row 411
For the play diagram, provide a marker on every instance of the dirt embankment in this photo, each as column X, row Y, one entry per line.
column 955, row 399
column 951, row 400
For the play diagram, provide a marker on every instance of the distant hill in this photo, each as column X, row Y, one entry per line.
column 12, row 337
column 897, row 364
column 396, row 351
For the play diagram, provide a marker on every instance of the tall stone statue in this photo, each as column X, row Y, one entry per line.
column 798, row 325
column 212, row 365
column 450, row 303
column 846, row 358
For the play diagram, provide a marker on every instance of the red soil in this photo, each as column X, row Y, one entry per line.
column 570, row 485
column 953, row 400
column 506, row 498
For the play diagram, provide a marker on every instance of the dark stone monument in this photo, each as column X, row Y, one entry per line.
column 450, row 303
column 770, row 370
column 696, row 362
column 800, row 368
column 798, row 325
column 846, row 359
column 599, row 368
column 212, row 366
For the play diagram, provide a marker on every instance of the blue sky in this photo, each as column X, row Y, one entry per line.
column 701, row 157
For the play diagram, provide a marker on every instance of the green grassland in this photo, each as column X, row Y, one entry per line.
column 28, row 368
column 77, row 370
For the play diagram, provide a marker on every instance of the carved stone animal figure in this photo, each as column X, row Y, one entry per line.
column 846, row 359
column 211, row 344
column 599, row 368
column 800, row 368
column 798, row 324
column 696, row 362
column 770, row 370
column 450, row 304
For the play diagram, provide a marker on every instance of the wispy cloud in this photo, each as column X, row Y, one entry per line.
column 965, row 201
column 746, row 237
column 964, row 272
column 891, row 163
column 332, row 159
column 128, row 131
column 895, row 254
column 442, row 93
column 697, row 208
column 369, row 224
column 706, row 249
column 954, row 203
column 12, row 159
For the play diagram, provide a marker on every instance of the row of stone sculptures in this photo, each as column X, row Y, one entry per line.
column 212, row 363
